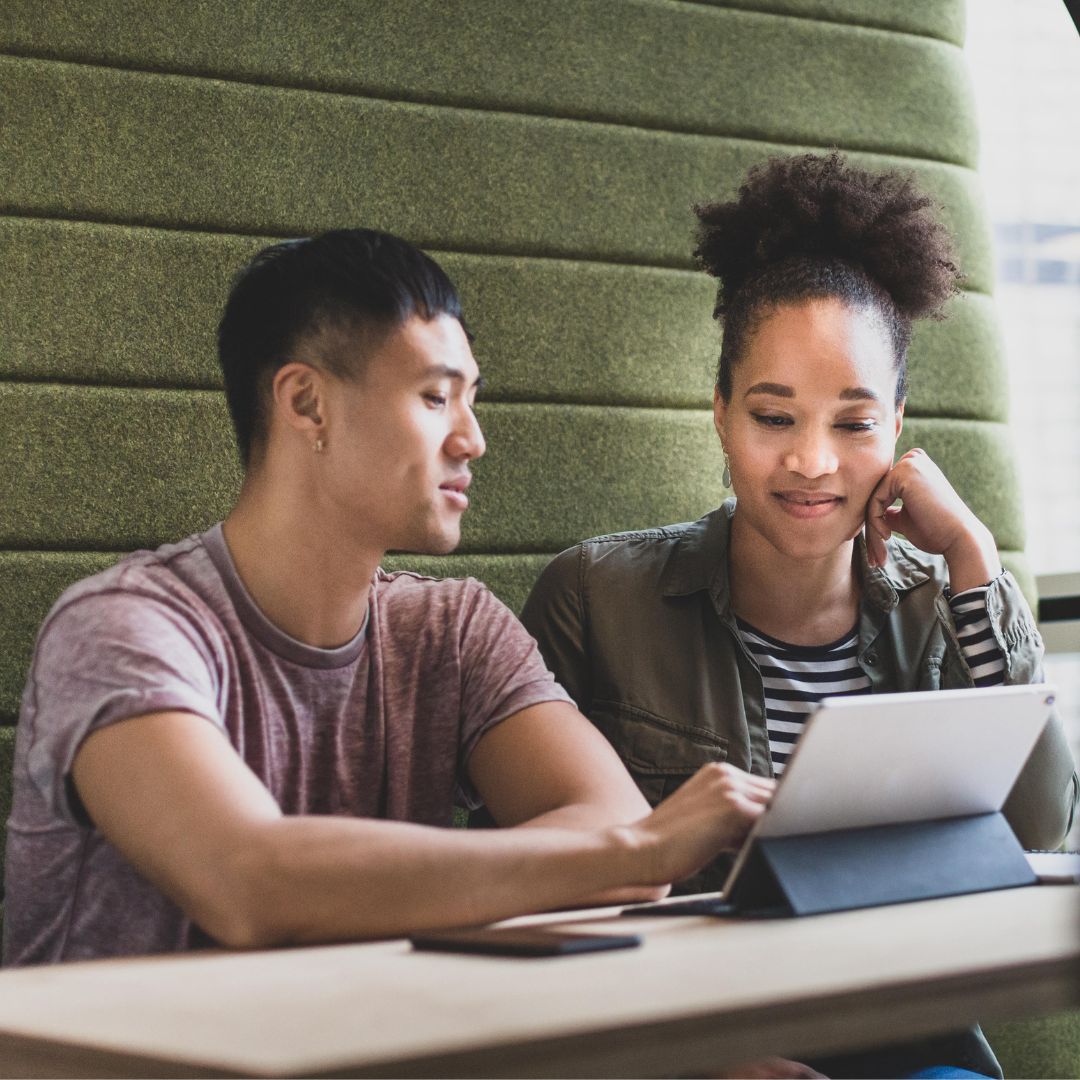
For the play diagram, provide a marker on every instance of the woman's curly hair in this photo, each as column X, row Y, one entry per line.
column 812, row 226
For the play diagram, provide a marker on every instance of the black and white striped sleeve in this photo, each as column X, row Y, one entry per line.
column 984, row 658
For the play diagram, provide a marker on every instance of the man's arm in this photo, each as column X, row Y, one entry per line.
column 173, row 796
column 548, row 766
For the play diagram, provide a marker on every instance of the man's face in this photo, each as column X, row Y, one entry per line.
column 400, row 438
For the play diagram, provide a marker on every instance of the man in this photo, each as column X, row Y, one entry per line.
column 255, row 736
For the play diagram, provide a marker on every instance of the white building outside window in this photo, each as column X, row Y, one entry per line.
column 1024, row 59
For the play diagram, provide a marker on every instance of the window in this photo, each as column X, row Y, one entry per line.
column 1024, row 59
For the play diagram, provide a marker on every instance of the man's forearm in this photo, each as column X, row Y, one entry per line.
column 310, row 879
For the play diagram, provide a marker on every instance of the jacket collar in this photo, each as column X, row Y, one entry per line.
column 700, row 563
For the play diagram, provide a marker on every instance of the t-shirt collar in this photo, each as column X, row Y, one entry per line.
column 262, row 629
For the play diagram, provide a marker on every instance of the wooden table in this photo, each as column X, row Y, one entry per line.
column 700, row 993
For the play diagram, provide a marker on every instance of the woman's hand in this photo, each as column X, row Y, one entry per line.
column 934, row 518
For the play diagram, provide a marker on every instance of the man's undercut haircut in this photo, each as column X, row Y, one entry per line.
column 813, row 227
column 326, row 300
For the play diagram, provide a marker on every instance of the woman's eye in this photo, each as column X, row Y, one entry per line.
column 768, row 420
column 436, row 399
column 859, row 425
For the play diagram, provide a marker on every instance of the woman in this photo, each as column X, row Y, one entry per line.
column 711, row 640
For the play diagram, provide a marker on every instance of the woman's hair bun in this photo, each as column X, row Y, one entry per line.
column 820, row 208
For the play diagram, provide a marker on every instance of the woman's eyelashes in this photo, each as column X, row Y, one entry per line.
column 771, row 420
column 774, row 420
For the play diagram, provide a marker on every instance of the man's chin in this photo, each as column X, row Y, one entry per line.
column 434, row 544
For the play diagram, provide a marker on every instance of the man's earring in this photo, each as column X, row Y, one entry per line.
column 320, row 446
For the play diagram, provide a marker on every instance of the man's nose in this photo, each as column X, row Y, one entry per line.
column 467, row 440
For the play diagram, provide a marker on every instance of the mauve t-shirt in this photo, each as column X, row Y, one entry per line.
column 381, row 727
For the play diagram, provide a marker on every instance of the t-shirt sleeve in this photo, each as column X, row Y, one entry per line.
column 502, row 672
column 102, row 658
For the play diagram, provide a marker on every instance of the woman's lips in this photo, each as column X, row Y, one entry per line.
column 807, row 504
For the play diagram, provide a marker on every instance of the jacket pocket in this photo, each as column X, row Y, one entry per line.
column 659, row 754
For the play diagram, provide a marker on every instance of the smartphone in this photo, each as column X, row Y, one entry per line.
column 522, row 941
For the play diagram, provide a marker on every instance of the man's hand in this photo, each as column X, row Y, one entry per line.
column 934, row 518
column 712, row 812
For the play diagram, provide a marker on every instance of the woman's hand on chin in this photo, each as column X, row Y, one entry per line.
column 934, row 518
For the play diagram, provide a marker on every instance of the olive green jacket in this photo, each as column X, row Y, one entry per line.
column 638, row 627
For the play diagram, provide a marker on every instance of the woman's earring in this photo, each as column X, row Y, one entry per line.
column 725, row 479
column 320, row 446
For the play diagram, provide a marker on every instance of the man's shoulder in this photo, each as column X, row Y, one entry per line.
column 166, row 575
column 401, row 584
column 460, row 616
column 407, row 594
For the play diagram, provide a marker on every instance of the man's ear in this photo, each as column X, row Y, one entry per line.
column 297, row 391
column 719, row 413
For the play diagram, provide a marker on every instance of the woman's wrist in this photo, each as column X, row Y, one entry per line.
column 973, row 560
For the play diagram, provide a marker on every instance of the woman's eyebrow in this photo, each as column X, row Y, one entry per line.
column 859, row 393
column 776, row 389
column 852, row 393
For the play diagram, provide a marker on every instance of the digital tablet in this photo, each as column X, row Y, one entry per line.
column 884, row 759
column 870, row 761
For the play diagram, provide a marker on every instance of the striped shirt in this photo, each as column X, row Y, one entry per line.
column 797, row 677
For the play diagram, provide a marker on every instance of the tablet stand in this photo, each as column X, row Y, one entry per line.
column 886, row 864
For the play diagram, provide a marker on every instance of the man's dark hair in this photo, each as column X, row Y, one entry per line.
column 812, row 226
column 324, row 299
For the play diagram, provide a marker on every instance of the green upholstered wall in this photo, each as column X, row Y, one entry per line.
column 546, row 154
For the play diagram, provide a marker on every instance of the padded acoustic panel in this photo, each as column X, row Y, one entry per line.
column 117, row 469
column 547, row 329
column 711, row 70
column 925, row 17
column 146, row 151
column 7, row 758
column 205, row 154
column 1045, row 1046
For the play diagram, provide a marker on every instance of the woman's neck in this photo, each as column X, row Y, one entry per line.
column 800, row 601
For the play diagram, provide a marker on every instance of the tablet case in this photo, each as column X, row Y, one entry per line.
column 885, row 864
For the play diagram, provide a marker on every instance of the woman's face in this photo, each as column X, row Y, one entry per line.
column 811, row 425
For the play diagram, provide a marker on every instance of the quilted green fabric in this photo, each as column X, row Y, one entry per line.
column 547, row 329
column 1048, row 1046
column 709, row 70
column 547, row 186
column 146, row 151
column 120, row 468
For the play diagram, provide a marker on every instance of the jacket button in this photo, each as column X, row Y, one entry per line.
column 870, row 658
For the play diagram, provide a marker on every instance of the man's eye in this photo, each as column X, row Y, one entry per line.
column 768, row 420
